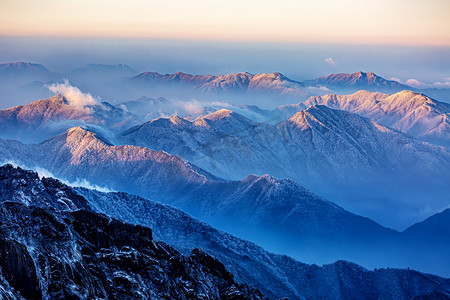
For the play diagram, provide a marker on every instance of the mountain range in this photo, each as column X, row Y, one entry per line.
column 119, row 83
column 44, row 118
column 331, row 151
column 52, row 245
column 359, row 80
column 131, row 257
column 337, row 154
column 413, row 113
column 360, row 177
column 293, row 219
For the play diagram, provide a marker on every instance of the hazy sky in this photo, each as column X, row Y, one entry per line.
column 413, row 22
column 402, row 39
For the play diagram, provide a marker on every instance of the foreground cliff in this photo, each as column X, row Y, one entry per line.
column 51, row 246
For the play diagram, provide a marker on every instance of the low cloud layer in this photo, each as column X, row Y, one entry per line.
column 74, row 96
column 46, row 173
column 422, row 85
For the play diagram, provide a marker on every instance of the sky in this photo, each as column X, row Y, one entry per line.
column 411, row 22
column 408, row 41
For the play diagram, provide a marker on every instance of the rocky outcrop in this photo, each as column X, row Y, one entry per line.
column 71, row 253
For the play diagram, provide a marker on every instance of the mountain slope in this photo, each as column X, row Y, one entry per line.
column 53, row 251
column 337, row 154
column 287, row 212
column 358, row 81
column 263, row 83
column 176, row 78
column 41, row 119
column 278, row 276
column 18, row 73
column 413, row 113
column 434, row 227
column 317, row 141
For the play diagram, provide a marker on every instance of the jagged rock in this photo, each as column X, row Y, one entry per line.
column 49, row 252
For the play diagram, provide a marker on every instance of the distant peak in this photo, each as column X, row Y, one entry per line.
column 265, row 179
column 409, row 93
column 22, row 65
column 177, row 120
column 76, row 129
column 276, row 75
column 219, row 114
column 181, row 74
column 79, row 133
column 165, row 122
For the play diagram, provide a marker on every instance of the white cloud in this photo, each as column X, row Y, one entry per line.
column 330, row 61
column 421, row 85
column 445, row 84
column 46, row 173
column 74, row 96
column 416, row 83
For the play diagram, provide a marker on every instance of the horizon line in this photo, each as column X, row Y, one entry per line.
column 230, row 40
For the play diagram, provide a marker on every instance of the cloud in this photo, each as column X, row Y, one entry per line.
column 190, row 107
column 415, row 83
column 46, row 173
column 78, row 183
column 445, row 84
column 74, row 96
column 422, row 85
column 330, row 61
column 195, row 107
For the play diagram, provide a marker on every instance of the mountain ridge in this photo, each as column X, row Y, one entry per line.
column 279, row 275
column 408, row 111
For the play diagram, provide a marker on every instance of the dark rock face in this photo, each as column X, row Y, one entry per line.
column 79, row 254
column 18, row 268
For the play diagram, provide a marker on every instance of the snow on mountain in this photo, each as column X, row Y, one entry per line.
column 42, row 119
column 212, row 142
column 48, row 251
column 224, row 120
column 176, row 78
column 316, row 142
column 262, row 82
column 343, row 137
column 282, row 208
column 337, row 154
column 229, row 82
column 271, row 83
column 410, row 112
column 277, row 276
column 359, row 81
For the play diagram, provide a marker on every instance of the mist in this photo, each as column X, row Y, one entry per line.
column 298, row 61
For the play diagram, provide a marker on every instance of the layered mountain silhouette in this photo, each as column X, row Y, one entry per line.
column 53, row 245
column 412, row 113
column 117, row 83
column 359, row 80
column 44, row 118
column 293, row 219
column 129, row 254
